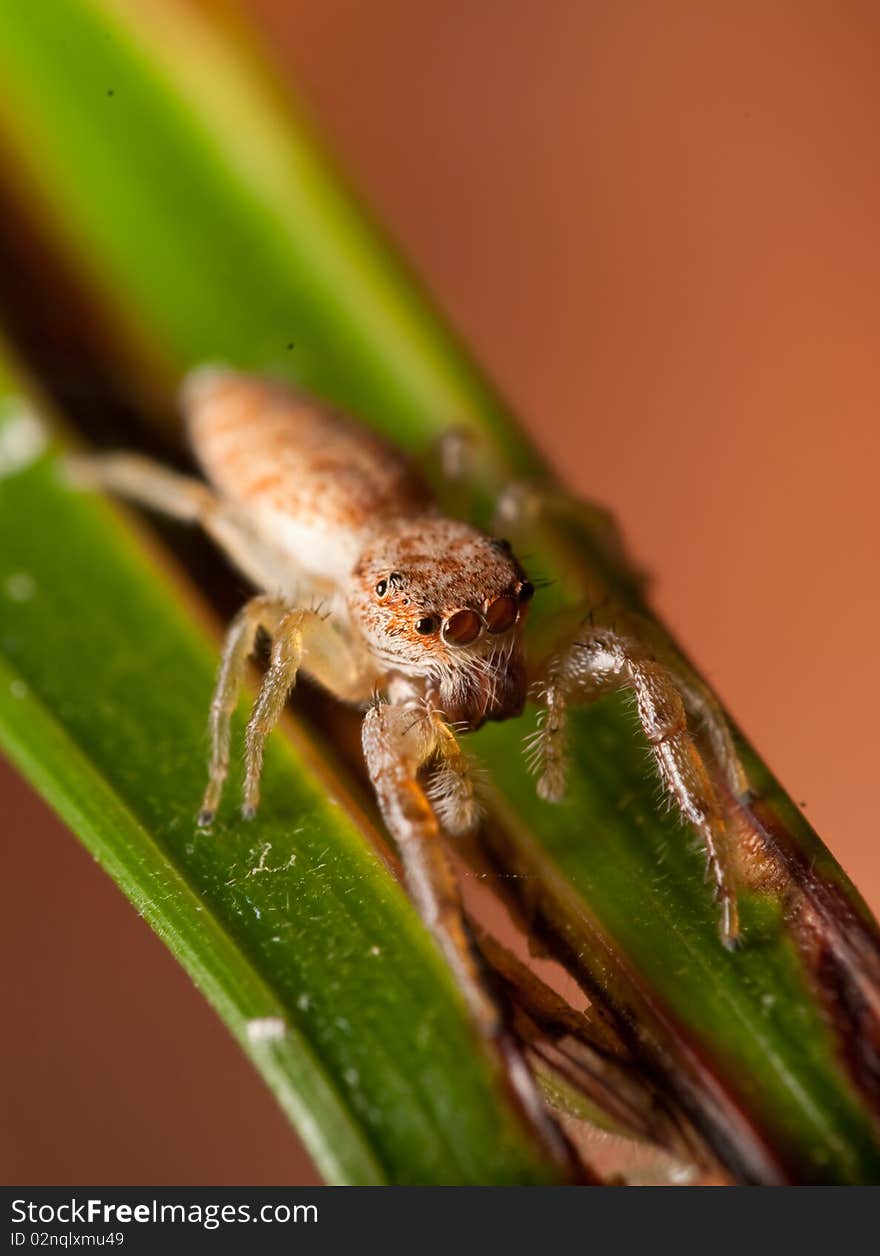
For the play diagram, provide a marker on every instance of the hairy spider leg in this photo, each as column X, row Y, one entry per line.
column 603, row 658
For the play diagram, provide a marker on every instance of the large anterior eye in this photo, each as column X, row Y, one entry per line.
column 462, row 628
column 501, row 614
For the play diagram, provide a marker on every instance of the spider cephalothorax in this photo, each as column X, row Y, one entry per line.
column 443, row 605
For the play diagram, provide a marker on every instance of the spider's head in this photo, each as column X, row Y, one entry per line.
column 440, row 601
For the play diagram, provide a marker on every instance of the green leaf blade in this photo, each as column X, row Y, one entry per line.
column 291, row 918
column 635, row 887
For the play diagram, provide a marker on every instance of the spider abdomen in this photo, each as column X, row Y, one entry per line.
column 306, row 475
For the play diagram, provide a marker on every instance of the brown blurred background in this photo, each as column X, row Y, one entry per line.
column 656, row 224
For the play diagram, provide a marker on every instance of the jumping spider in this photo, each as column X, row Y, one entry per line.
column 421, row 625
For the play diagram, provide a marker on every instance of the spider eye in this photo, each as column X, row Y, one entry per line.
column 501, row 614
column 427, row 625
column 526, row 591
column 382, row 588
column 462, row 628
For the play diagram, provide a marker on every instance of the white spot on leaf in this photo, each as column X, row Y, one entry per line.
column 21, row 586
column 22, row 437
column 266, row 1029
